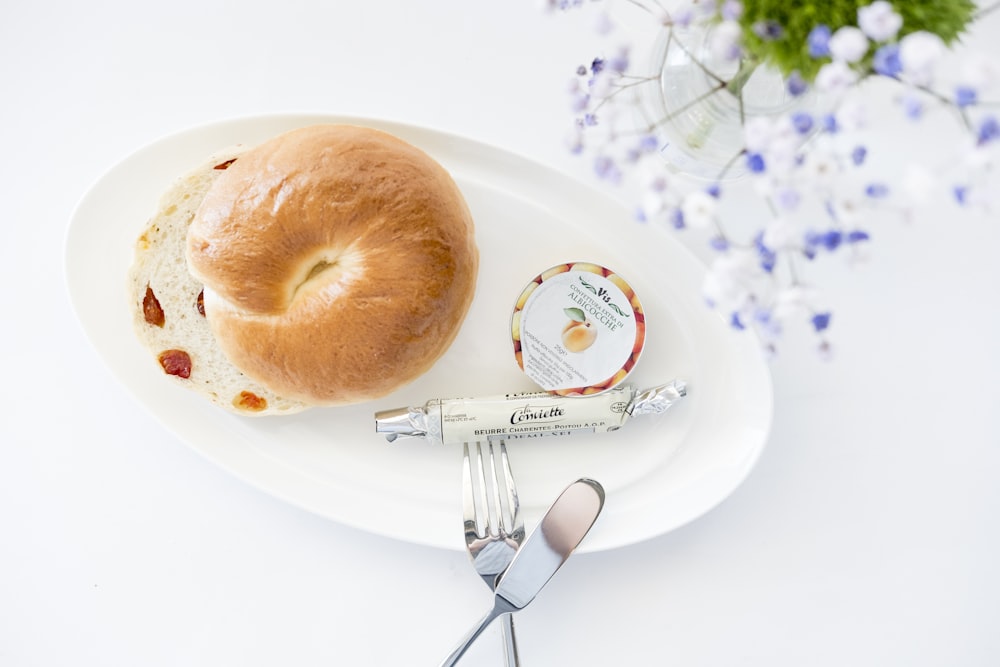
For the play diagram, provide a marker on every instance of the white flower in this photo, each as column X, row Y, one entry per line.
column 698, row 209
column 757, row 133
column 794, row 300
column 724, row 41
column 879, row 21
column 919, row 53
column 781, row 234
column 820, row 169
column 848, row 44
column 775, row 139
column 835, row 77
column 728, row 283
column 783, row 161
column 781, row 155
column 851, row 115
column 979, row 71
column 653, row 205
column 979, row 159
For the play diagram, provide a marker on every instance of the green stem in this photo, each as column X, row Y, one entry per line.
column 747, row 67
column 736, row 84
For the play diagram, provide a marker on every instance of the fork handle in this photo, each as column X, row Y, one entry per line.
column 473, row 634
column 509, row 641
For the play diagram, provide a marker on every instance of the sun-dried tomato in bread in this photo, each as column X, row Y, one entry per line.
column 152, row 312
column 200, row 303
column 250, row 401
column 224, row 165
column 176, row 362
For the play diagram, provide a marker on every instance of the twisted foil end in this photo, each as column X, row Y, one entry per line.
column 657, row 400
column 401, row 422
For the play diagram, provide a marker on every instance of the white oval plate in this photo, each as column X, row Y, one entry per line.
column 659, row 472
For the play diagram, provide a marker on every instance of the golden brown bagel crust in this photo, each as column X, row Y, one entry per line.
column 339, row 263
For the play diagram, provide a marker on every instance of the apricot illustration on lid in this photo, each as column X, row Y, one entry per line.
column 580, row 333
column 578, row 329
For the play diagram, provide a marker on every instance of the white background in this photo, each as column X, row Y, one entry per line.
column 866, row 535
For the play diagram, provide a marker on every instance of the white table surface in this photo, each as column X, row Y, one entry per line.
column 868, row 533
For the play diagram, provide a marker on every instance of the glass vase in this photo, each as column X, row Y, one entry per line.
column 697, row 103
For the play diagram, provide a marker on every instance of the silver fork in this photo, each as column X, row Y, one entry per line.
column 494, row 528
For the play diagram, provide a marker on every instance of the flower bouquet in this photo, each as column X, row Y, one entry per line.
column 770, row 100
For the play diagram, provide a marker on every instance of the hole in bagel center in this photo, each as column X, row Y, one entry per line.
column 319, row 268
column 328, row 270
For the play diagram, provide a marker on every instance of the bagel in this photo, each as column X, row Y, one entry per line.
column 338, row 263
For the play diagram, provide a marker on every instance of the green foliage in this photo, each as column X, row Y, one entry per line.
column 790, row 51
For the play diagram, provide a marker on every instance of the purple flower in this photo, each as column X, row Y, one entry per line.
column 858, row 155
column 719, row 243
column 735, row 321
column 821, row 321
column 886, row 60
column 768, row 30
column 965, row 96
column 829, row 123
column 857, row 236
column 829, row 240
column 714, row 190
column 819, row 41
column 961, row 194
column 677, row 219
column 877, row 190
column 597, row 65
column 648, row 143
column 795, row 84
column 590, row 119
column 732, row 10
column 607, row 170
column 989, row 129
column 802, row 122
column 755, row 162
column 619, row 63
column 913, row 107
column 768, row 258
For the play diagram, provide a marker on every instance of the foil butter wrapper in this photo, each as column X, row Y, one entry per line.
column 525, row 415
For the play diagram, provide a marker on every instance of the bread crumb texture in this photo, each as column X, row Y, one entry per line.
column 164, row 300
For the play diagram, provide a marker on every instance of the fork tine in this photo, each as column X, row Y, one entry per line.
column 515, row 522
column 468, row 495
column 504, row 492
column 496, row 510
column 484, row 517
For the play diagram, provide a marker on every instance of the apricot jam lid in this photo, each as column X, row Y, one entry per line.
column 578, row 329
